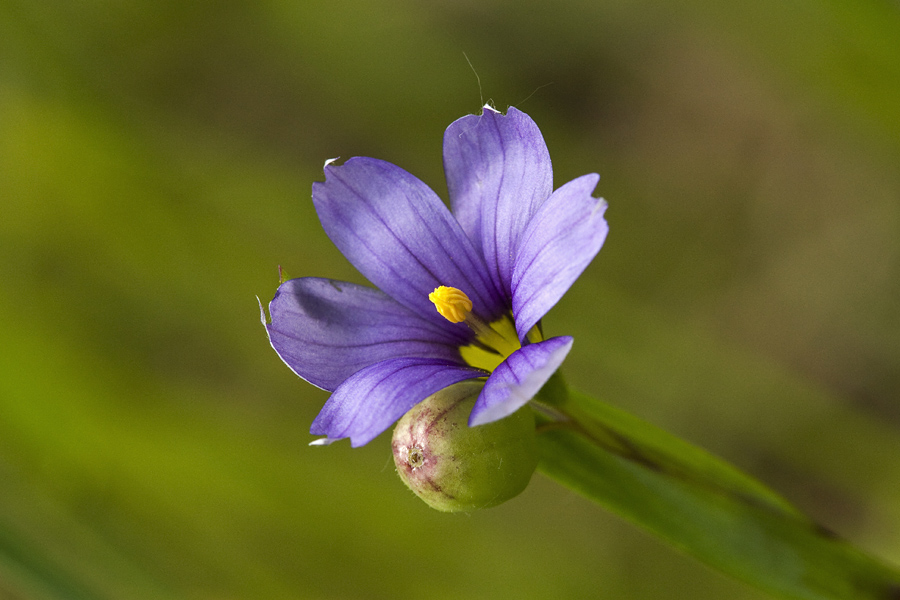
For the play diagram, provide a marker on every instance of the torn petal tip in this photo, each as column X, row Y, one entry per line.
column 322, row 442
column 262, row 312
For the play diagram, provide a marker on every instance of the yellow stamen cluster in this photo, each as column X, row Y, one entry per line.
column 451, row 303
column 493, row 342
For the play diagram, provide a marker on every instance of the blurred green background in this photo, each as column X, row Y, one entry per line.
column 155, row 168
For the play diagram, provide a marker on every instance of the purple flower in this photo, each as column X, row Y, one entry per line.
column 495, row 265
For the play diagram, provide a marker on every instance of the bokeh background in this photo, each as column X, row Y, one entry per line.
column 156, row 159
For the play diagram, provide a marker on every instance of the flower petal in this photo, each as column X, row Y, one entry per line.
column 560, row 242
column 327, row 330
column 372, row 399
column 399, row 234
column 498, row 174
column 518, row 379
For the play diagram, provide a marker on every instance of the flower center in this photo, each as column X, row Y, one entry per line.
column 493, row 342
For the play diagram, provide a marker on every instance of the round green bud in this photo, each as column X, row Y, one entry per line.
column 454, row 467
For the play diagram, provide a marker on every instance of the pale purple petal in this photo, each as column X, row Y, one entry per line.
column 498, row 175
column 371, row 400
column 518, row 379
column 560, row 242
column 326, row 330
column 399, row 234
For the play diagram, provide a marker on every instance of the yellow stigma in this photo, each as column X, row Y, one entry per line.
column 453, row 304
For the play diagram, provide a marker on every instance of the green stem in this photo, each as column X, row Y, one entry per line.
column 699, row 503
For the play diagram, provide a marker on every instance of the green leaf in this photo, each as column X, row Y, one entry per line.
column 699, row 503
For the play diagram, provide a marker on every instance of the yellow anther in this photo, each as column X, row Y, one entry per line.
column 453, row 304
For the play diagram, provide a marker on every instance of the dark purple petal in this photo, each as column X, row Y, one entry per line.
column 560, row 242
column 372, row 399
column 518, row 379
column 399, row 234
column 327, row 330
column 498, row 174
